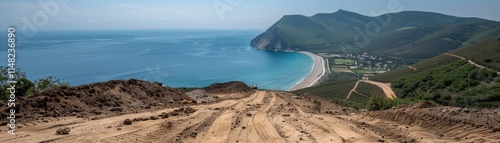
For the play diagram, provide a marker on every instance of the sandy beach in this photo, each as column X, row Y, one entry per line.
column 317, row 72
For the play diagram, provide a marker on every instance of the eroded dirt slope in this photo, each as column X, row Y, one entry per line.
column 99, row 99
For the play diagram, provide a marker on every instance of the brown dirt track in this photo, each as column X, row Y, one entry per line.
column 273, row 116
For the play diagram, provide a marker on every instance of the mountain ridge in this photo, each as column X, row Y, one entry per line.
column 413, row 34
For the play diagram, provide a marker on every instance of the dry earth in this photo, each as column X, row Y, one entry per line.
column 271, row 116
column 239, row 114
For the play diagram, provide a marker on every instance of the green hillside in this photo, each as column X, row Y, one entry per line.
column 338, row 90
column 486, row 53
column 443, row 79
column 456, row 84
column 420, row 67
column 410, row 34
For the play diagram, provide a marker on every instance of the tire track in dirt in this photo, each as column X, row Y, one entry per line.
column 341, row 128
column 292, row 126
column 225, row 126
column 263, row 126
column 219, row 130
column 272, row 116
column 180, row 129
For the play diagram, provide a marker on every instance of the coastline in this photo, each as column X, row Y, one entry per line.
column 317, row 72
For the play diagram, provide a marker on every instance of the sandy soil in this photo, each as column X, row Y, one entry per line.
column 317, row 72
column 270, row 116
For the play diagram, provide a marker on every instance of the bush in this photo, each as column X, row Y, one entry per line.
column 24, row 86
column 381, row 103
column 455, row 84
column 48, row 83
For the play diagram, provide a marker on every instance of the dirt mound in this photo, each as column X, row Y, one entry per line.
column 421, row 104
column 201, row 96
column 105, row 98
column 316, row 104
column 448, row 122
column 228, row 87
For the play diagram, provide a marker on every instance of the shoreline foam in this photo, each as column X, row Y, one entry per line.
column 317, row 72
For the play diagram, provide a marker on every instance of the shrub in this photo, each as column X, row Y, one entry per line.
column 381, row 103
column 24, row 86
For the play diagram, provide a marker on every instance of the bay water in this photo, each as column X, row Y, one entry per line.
column 176, row 58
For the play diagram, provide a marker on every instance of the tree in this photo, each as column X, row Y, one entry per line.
column 381, row 103
column 24, row 86
column 48, row 83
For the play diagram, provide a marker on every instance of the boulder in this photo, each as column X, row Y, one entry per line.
column 63, row 131
column 127, row 122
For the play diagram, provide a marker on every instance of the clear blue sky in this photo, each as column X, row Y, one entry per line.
column 213, row 14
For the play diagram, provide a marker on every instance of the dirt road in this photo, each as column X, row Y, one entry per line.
column 386, row 87
column 264, row 116
column 473, row 63
column 412, row 68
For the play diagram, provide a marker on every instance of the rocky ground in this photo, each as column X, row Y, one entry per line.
column 202, row 96
column 104, row 99
column 245, row 115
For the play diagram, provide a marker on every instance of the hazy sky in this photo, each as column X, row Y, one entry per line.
column 210, row 14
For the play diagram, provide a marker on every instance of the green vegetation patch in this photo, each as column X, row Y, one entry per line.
column 420, row 67
column 338, row 76
column 25, row 87
column 331, row 90
column 362, row 71
column 343, row 61
column 357, row 101
column 369, row 89
column 434, row 62
column 486, row 53
column 456, row 84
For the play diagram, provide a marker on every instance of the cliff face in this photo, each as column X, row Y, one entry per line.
column 270, row 41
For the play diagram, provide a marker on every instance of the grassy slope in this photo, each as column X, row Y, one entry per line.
column 488, row 49
column 331, row 90
column 481, row 52
column 369, row 89
column 444, row 79
column 339, row 91
column 455, row 84
column 420, row 66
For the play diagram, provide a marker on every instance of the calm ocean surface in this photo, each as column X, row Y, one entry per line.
column 177, row 58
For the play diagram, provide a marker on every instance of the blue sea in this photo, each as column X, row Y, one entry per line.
column 177, row 58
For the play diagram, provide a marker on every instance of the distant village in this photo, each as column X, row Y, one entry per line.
column 365, row 63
